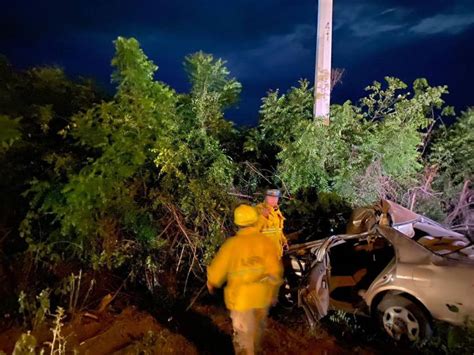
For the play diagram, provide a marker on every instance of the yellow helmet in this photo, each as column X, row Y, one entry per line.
column 245, row 215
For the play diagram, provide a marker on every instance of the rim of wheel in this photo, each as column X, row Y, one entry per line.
column 399, row 322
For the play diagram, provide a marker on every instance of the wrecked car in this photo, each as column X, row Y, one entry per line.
column 394, row 265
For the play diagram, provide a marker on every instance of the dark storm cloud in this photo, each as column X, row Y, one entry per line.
column 236, row 20
column 268, row 44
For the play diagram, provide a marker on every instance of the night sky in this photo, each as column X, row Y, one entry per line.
column 268, row 44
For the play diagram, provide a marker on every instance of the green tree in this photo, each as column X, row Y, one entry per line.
column 452, row 150
column 150, row 188
column 452, row 158
column 96, row 206
column 35, row 105
column 367, row 152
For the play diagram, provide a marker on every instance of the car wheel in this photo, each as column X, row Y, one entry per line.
column 403, row 320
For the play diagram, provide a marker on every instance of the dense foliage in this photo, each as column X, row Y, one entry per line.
column 369, row 151
column 149, row 190
column 35, row 105
column 452, row 159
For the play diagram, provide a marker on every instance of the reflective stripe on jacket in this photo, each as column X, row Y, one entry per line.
column 272, row 225
column 251, row 266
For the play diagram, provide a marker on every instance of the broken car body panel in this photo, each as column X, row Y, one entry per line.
column 429, row 264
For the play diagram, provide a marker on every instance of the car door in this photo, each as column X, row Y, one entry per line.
column 314, row 298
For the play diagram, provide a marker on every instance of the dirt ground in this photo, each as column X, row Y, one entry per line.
column 203, row 329
column 129, row 332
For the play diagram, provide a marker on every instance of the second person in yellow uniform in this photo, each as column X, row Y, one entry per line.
column 271, row 220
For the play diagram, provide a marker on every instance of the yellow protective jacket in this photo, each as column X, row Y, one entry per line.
column 272, row 225
column 251, row 266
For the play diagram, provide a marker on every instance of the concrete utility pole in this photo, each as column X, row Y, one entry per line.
column 322, row 80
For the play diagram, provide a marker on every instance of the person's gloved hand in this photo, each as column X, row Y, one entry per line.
column 274, row 301
column 210, row 288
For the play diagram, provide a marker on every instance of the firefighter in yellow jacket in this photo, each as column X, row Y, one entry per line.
column 253, row 271
column 271, row 220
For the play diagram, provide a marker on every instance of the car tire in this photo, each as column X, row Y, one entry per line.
column 403, row 320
